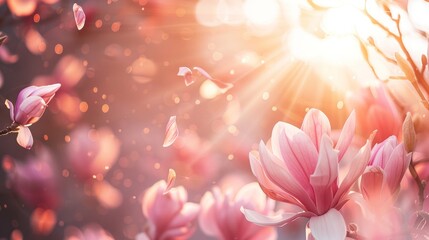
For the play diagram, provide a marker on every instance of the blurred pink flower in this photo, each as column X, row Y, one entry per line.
column 300, row 167
column 375, row 110
column 221, row 217
column 22, row 8
column 169, row 214
column 29, row 107
column 92, row 151
column 381, row 180
column 34, row 180
column 89, row 232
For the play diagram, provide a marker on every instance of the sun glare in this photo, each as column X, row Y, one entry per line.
column 261, row 13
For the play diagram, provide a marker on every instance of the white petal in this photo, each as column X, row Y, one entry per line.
column 24, row 138
column 279, row 219
column 170, row 180
column 171, row 132
column 330, row 226
column 79, row 16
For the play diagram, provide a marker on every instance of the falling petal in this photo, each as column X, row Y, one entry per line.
column 170, row 180
column 79, row 16
column 223, row 86
column 171, row 132
column 186, row 73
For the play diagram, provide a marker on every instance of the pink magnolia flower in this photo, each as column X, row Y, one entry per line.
column 29, row 108
column 221, row 217
column 375, row 110
column 92, row 152
column 381, row 180
column 34, row 180
column 89, row 232
column 300, row 167
column 169, row 214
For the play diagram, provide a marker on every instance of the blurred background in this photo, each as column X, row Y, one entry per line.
column 99, row 144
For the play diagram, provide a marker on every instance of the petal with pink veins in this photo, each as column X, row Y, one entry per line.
column 171, row 132
column 325, row 174
column 315, row 124
column 358, row 165
column 330, row 226
column 279, row 219
column 282, row 177
column 346, row 135
column 24, row 138
column 396, row 166
column 170, row 180
column 79, row 16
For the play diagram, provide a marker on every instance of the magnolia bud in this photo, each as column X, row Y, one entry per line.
column 408, row 133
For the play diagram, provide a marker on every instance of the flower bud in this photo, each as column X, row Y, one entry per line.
column 408, row 133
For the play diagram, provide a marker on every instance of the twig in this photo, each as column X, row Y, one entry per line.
column 9, row 129
column 419, row 182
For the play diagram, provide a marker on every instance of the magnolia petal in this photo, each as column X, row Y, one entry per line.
column 223, row 86
column 24, row 138
column 267, row 186
column 315, row 124
column 30, row 110
column 325, row 174
column 9, row 105
column 299, row 154
column 358, row 165
column 186, row 73
column 6, row 56
column 187, row 214
column 372, row 185
column 171, row 132
column 170, row 180
column 282, row 177
column 46, row 92
column 207, row 216
column 330, row 226
column 346, row 135
column 396, row 166
column 79, row 16
column 279, row 219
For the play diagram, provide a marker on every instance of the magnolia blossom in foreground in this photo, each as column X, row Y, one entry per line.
column 169, row 214
column 29, row 108
column 300, row 167
column 221, row 217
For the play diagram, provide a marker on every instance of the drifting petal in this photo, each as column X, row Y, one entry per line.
column 316, row 124
column 24, row 138
column 79, row 16
column 9, row 105
column 186, row 73
column 171, row 132
column 346, row 135
column 325, row 174
column 330, row 226
column 279, row 219
column 170, row 180
column 222, row 85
